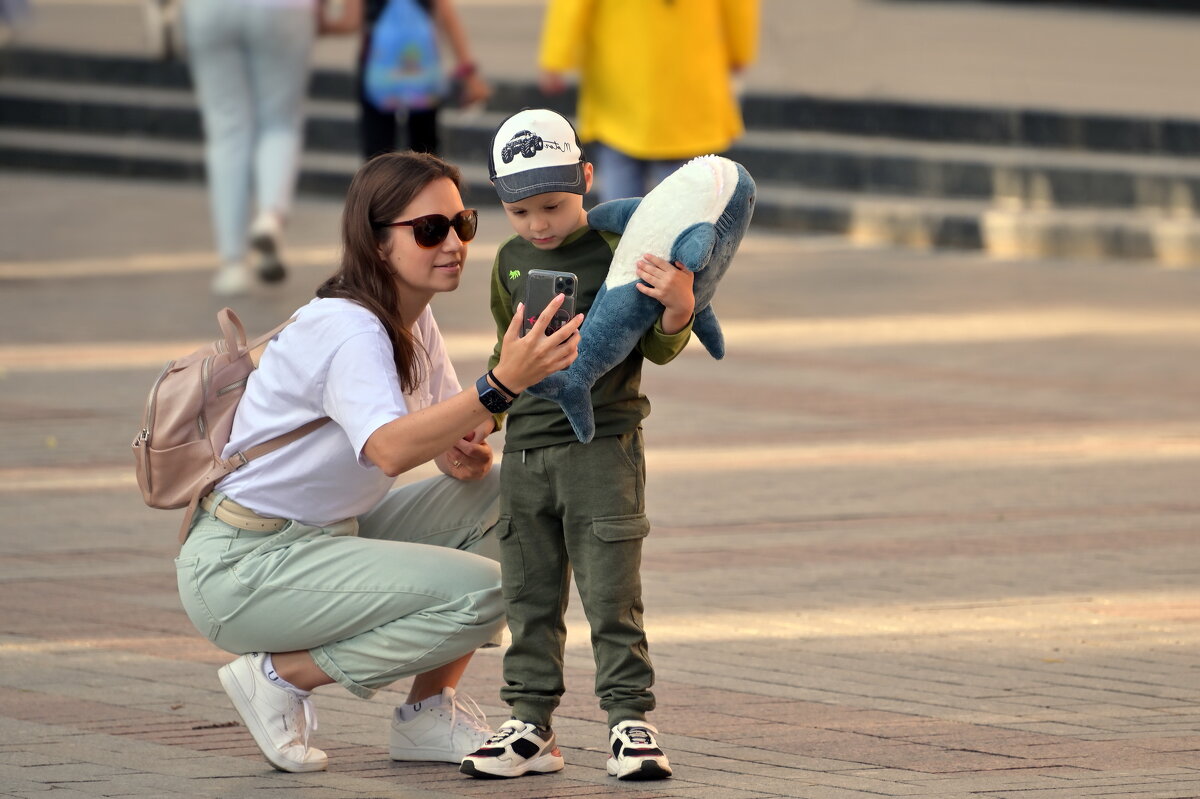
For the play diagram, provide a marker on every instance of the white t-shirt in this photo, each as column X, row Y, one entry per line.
column 335, row 360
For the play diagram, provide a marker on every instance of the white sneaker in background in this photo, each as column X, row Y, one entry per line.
column 266, row 239
column 231, row 280
column 279, row 719
column 446, row 732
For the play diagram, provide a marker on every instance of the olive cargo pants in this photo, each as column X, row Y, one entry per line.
column 577, row 507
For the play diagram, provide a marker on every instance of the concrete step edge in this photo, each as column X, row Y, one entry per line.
column 866, row 219
column 865, row 116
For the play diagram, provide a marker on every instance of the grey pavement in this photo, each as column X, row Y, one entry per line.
column 928, row 530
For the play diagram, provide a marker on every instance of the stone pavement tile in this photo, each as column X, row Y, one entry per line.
column 1125, row 760
column 13, row 778
column 1051, row 727
column 1184, row 743
column 1140, row 791
column 794, row 784
column 985, row 783
column 68, row 770
column 59, row 792
column 848, row 781
column 683, row 791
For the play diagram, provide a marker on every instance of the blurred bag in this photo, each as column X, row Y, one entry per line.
column 402, row 69
column 189, row 416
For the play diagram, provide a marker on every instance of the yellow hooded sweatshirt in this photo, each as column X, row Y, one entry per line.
column 654, row 75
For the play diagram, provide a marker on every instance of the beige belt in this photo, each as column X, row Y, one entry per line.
column 237, row 515
column 240, row 516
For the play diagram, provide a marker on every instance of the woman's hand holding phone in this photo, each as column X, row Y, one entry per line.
column 525, row 360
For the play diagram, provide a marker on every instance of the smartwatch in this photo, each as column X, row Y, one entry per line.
column 491, row 397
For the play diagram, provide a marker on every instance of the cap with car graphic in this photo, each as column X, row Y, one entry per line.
column 535, row 151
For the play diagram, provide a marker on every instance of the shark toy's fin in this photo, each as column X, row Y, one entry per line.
column 708, row 330
column 694, row 246
column 550, row 387
column 613, row 215
column 575, row 399
column 577, row 403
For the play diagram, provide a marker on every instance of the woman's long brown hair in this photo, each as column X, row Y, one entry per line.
column 380, row 190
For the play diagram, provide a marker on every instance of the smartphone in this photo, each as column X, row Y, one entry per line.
column 543, row 285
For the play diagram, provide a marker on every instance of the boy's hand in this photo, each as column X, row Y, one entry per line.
column 670, row 284
column 468, row 460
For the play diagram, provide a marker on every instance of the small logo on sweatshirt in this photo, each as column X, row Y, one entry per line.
column 513, row 274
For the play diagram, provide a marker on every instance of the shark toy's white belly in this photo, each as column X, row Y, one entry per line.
column 696, row 192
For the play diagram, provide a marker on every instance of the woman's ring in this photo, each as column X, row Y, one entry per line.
column 457, row 464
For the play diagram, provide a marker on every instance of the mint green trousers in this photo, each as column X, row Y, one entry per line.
column 416, row 588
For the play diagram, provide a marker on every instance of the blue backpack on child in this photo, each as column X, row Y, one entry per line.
column 402, row 69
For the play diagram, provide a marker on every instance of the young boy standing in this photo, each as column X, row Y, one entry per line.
column 568, row 506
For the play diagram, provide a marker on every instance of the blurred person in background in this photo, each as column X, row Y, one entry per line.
column 12, row 14
column 656, row 81
column 378, row 129
column 250, row 63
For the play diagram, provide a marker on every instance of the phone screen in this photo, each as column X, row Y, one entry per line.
column 543, row 285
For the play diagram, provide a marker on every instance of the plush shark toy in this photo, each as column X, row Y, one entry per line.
column 697, row 216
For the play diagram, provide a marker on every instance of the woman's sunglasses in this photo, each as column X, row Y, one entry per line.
column 431, row 230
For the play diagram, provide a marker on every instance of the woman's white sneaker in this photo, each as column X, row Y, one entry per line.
column 446, row 730
column 516, row 748
column 279, row 719
column 635, row 753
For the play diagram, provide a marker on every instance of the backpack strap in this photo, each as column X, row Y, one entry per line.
column 237, row 461
column 270, row 334
column 240, row 459
column 234, row 333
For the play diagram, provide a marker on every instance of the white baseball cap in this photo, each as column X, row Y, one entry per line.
column 535, row 151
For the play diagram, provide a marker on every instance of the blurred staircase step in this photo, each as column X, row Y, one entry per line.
column 874, row 117
column 811, row 160
column 964, row 224
column 1018, row 183
column 1024, row 127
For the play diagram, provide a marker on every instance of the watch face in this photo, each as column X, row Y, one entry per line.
column 492, row 399
column 494, row 402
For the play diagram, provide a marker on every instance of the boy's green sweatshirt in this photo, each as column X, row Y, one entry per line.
column 617, row 399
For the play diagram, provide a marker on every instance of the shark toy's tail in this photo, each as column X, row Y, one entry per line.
column 708, row 330
column 575, row 399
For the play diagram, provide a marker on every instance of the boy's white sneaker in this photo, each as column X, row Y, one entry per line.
column 516, row 748
column 635, row 753
column 279, row 719
column 446, row 732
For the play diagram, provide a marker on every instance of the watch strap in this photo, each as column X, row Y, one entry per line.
column 496, row 382
column 491, row 397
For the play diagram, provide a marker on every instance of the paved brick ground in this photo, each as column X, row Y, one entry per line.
column 928, row 531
